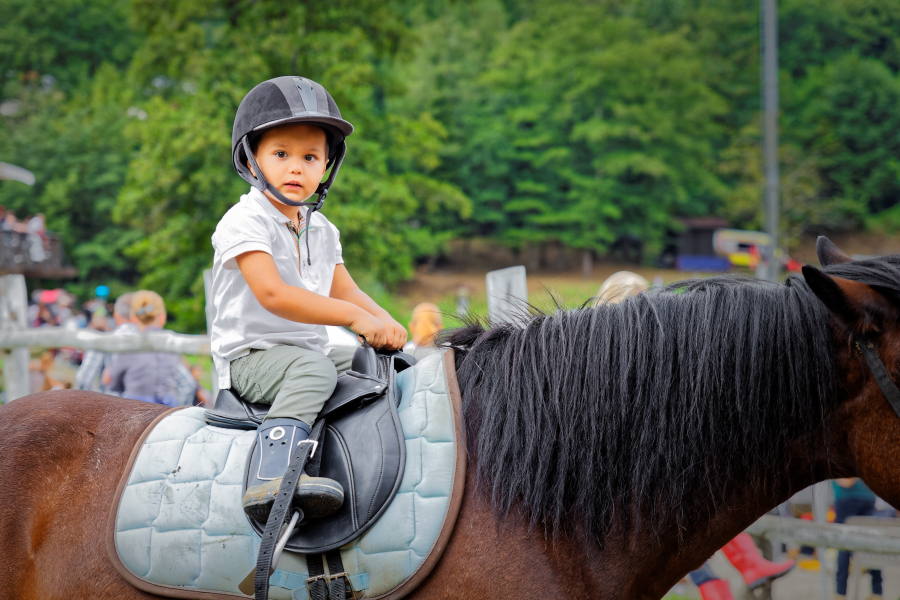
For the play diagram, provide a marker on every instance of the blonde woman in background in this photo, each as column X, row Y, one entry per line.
column 425, row 323
column 619, row 286
column 146, row 376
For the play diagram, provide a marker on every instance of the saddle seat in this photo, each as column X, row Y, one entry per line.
column 363, row 447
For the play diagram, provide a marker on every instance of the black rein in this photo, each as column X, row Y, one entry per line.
column 887, row 385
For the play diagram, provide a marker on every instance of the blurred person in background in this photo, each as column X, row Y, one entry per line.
column 98, row 303
column 64, row 311
column 149, row 376
column 35, row 230
column 45, row 369
column 425, row 323
column 852, row 498
column 619, row 286
column 10, row 223
column 95, row 362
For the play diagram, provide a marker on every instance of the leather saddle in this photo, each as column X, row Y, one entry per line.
column 363, row 447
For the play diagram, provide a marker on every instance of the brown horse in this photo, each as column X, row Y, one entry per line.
column 612, row 449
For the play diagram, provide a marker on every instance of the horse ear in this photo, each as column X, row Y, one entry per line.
column 859, row 306
column 829, row 254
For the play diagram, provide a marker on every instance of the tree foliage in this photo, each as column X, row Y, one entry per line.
column 525, row 122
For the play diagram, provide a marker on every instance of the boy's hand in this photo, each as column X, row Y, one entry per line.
column 371, row 329
column 396, row 333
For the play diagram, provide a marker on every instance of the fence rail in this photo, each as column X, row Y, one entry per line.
column 58, row 337
column 855, row 538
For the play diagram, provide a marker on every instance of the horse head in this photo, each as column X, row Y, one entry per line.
column 863, row 298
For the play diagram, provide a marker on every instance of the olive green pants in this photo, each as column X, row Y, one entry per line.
column 295, row 381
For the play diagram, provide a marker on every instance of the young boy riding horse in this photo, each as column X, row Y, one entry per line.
column 279, row 279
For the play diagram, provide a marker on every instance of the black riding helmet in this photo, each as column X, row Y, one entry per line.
column 281, row 101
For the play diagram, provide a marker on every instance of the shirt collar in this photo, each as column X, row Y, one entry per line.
column 266, row 206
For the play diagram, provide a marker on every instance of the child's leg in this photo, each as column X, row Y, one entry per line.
column 295, row 381
column 341, row 358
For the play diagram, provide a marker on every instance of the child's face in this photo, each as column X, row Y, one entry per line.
column 293, row 158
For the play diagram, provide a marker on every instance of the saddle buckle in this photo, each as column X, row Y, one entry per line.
column 315, row 446
column 327, row 579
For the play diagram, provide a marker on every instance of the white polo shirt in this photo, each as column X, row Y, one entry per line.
column 240, row 322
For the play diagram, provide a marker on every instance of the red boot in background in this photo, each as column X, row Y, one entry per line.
column 743, row 554
column 715, row 589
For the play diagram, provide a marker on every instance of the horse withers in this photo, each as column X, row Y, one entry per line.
column 612, row 449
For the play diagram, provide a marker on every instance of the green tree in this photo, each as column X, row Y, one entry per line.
column 845, row 114
column 584, row 124
column 197, row 62
column 67, row 40
column 75, row 145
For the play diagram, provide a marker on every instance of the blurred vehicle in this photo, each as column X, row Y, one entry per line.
column 738, row 245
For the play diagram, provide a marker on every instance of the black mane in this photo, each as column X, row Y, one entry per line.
column 658, row 403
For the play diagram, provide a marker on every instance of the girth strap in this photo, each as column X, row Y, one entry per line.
column 335, row 584
column 299, row 455
column 887, row 385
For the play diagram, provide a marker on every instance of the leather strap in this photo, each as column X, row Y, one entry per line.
column 882, row 378
column 280, row 510
column 321, row 587
column 318, row 590
column 336, row 565
column 314, row 464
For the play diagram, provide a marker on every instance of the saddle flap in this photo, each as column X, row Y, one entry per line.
column 364, row 450
column 352, row 390
column 232, row 412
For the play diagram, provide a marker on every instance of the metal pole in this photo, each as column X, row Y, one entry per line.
column 770, row 130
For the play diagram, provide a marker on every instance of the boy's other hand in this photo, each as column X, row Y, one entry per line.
column 371, row 329
column 396, row 334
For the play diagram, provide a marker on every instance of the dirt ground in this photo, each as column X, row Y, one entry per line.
column 559, row 272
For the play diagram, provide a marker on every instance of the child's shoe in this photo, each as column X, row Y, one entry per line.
column 316, row 496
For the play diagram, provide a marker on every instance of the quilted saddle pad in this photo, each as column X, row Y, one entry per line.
column 178, row 529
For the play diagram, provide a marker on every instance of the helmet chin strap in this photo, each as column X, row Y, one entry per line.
column 263, row 185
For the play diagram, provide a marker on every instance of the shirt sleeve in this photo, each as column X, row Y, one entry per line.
column 338, row 250
column 238, row 232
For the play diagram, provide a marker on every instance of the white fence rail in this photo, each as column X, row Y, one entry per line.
column 843, row 537
column 152, row 341
column 16, row 337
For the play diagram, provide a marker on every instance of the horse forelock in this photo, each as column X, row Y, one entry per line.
column 645, row 413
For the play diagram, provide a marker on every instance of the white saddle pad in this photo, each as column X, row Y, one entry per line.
column 179, row 524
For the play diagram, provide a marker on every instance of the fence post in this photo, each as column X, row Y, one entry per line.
column 820, row 515
column 210, row 315
column 507, row 294
column 13, row 316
